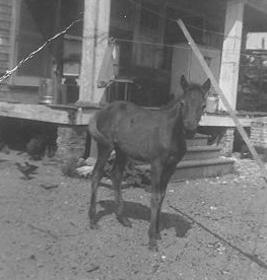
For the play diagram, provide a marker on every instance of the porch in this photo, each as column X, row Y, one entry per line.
column 151, row 51
column 80, row 115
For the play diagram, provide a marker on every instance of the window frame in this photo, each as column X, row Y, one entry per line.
column 15, row 79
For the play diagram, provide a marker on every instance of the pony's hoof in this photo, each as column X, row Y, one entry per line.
column 124, row 221
column 158, row 236
column 153, row 246
column 94, row 226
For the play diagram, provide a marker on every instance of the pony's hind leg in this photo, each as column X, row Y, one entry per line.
column 98, row 172
column 117, row 174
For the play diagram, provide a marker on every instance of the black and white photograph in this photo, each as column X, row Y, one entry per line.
column 133, row 139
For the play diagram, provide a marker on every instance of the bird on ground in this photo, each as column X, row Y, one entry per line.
column 27, row 169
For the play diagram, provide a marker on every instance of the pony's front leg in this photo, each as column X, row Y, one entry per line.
column 156, row 201
column 167, row 171
column 161, row 174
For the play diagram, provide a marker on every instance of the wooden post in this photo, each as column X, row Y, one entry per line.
column 95, row 39
column 136, row 30
column 231, row 51
column 57, row 64
column 225, row 101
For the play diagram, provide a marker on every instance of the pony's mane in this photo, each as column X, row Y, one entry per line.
column 197, row 87
column 193, row 86
column 170, row 104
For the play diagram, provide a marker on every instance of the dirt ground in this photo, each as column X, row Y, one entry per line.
column 212, row 228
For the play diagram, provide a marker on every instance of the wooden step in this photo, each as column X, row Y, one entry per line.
column 198, row 140
column 192, row 169
column 202, row 152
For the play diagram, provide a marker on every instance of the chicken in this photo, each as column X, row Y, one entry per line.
column 27, row 169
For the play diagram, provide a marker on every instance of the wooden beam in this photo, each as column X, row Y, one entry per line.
column 95, row 39
column 15, row 16
column 73, row 115
column 37, row 112
column 225, row 101
column 136, row 28
column 224, row 121
column 259, row 5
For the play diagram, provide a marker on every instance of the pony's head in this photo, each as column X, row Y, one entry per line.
column 193, row 103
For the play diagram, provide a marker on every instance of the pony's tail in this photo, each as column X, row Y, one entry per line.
column 95, row 133
column 87, row 149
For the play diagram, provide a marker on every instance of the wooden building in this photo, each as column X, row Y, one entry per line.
column 152, row 54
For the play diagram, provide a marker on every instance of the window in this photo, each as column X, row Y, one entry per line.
column 32, row 28
column 36, row 21
column 173, row 33
column 148, row 54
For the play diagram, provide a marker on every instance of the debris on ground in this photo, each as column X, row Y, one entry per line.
column 26, row 169
column 49, row 186
column 211, row 228
column 135, row 174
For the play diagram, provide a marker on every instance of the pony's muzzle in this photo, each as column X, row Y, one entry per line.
column 190, row 128
column 190, row 125
column 189, row 134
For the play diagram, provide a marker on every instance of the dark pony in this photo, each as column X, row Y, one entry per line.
column 157, row 137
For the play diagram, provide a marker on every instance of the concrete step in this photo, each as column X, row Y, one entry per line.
column 192, row 169
column 202, row 152
column 198, row 140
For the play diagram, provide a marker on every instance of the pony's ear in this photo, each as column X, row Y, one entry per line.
column 184, row 82
column 206, row 86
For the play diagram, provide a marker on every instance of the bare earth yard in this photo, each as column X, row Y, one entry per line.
column 212, row 228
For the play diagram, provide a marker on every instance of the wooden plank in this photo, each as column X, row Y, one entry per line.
column 34, row 112
column 229, row 73
column 38, row 112
column 224, row 121
column 15, row 14
column 60, row 114
column 225, row 101
column 88, row 51
column 5, row 16
column 5, row 9
column 102, row 35
column 95, row 38
column 4, row 56
column 5, row 3
column 5, row 25
column 5, row 33
column 259, row 5
column 206, row 120
column 3, row 67
column 4, row 41
column 4, row 48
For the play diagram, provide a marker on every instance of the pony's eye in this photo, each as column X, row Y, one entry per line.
column 204, row 107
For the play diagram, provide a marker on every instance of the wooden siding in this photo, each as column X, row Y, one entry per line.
column 5, row 31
